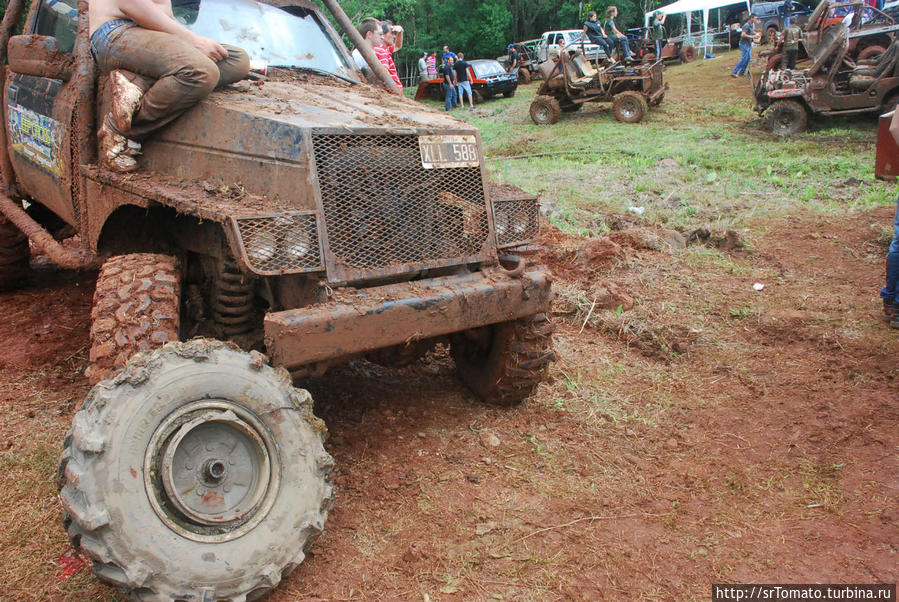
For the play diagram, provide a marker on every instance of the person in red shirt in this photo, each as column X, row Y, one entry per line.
column 391, row 41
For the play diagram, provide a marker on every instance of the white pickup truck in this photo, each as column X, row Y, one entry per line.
column 552, row 41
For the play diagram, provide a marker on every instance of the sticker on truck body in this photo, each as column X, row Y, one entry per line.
column 449, row 151
column 35, row 137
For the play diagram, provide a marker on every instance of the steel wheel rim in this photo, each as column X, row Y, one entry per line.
column 211, row 471
column 542, row 112
column 628, row 108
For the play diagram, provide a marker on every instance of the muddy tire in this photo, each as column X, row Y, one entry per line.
column 509, row 93
column 687, row 53
column 787, row 117
column 136, row 308
column 14, row 256
column 870, row 53
column 771, row 36
column 545, row 110
column 503, row 363
column 524, row 77
column 629, row 107
column 196, row 417
column 774, row 61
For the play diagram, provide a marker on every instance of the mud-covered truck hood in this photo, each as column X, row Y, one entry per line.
column 369, row 184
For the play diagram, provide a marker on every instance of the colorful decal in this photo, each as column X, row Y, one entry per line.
column 36, row 137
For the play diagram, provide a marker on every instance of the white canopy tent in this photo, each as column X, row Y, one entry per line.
column 691, row 6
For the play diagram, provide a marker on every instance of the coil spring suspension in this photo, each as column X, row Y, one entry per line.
column 232, row 305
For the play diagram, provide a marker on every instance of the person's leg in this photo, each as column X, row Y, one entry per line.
column 448, row 96
column 746, row 59
column 659, row 46
column 890, row 292
column 234, row 67
column 183, row 74
column 790, row 57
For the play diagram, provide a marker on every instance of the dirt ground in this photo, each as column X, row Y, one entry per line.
column 695, row 430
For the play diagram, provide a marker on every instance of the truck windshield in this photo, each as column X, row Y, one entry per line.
column 292, row 37
column 484, row 69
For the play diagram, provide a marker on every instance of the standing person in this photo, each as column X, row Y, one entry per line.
column 747, row 37
column 514, row 63
column 169, row 69
column 423, row 67
column 391, row 41
column 658, row 31
column 890, row 292
column 447, row 53
column 596, row 34
column 619, row 38
column 432, row 65
column 791, row 37
column 463, row 85
column 449, row 82
column 370, row 30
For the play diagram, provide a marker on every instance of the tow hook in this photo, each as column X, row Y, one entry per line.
column 519, row 263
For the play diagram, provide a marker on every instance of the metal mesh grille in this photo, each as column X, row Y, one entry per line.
column 657, row 77
column 515, row 221
column 280, row 244
column 384, row 210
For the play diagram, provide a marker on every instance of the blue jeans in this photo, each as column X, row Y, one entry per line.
column 746, row 49
column 452, row 100
column 659, row 45
column 891, row 290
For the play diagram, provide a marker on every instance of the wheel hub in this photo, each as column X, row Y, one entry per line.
column 209, row 471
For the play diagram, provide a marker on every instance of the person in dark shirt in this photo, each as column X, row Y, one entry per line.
column 514, row 63
column 658, row 31
column 449, row 83
column 463, row 85
column 596, row 34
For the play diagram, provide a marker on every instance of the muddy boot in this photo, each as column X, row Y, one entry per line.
column 117, row 152
column 890, row 309
column 126, row 97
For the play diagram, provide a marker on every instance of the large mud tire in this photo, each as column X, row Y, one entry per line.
column 14, row 256
column 154, row 424
column 787, row 117
column 687, row 53
column 503, row 363
column 629, row 106
column 771, row 36
column 136, row 308
column 545, row 110
column 524, row 77
column 870, row 53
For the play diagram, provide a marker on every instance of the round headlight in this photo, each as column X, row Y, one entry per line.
column 297, row 244
column 261, row 247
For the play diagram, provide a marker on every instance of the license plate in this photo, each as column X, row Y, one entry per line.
column 448, row 151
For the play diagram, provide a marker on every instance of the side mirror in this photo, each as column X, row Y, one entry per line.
column 39, row 56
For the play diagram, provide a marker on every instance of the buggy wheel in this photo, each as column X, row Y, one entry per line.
column 545, row 110
column 503, row 363
column 629, row 107
column 687, row 53
column 196, row 461
column 771, row 36
column 787, row 117
column 14, row 256
column 524, row 77
column 870, row 53
column 478, row 96
column 136, row 308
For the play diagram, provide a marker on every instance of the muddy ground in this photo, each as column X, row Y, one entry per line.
column 704, row 432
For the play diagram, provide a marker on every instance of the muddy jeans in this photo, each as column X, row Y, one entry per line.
column 172, row 73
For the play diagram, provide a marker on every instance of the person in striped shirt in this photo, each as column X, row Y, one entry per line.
column 391, row 41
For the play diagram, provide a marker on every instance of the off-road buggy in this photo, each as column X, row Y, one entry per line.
column 527, row 61
column 277, row 228
column 870, row 32
column 832, row 85
column 572, row 80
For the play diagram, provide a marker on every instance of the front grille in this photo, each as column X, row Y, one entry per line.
column 384, row 212
column 280, row 244
column 515, row 221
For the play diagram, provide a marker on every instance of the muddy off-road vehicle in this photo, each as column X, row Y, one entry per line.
column 832, row 85
column 572, row 80
column 277, row 228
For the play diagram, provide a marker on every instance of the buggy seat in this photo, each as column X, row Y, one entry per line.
column 864, row 76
